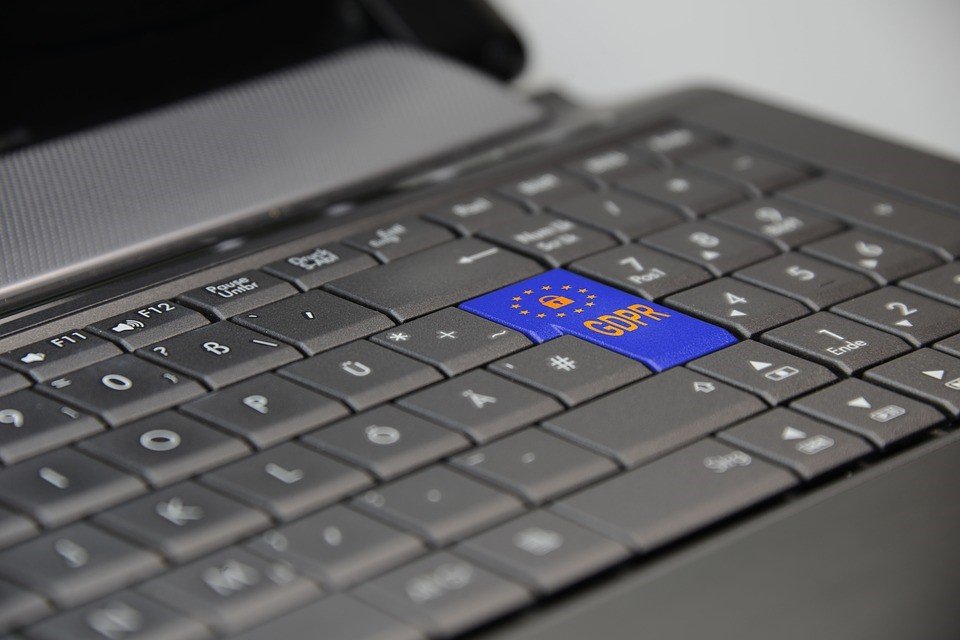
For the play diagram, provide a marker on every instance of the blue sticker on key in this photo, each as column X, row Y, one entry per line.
column 560, row 302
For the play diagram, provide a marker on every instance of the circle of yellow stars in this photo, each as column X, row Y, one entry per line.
column 517, row 300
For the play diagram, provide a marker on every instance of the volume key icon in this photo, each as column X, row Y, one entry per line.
column 127, row 325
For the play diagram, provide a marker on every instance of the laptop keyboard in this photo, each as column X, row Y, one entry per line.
column 440, row 420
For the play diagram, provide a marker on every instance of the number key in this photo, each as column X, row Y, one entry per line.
column 812, row 282
column 942, row 283
column 646, row 272
column 785, row 225
column 715, row 248
column 913, row 317
column 877, row 256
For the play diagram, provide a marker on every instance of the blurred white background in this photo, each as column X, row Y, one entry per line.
column 887, row 66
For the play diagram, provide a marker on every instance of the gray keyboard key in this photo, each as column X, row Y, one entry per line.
column 481, row 405
column 287, row 481
column 813, row 282
column 716, row 248
column 915, row 318
column 770, row 373
column 782, row 223
column 362, row 374
column 759, row 172
column 439, row 504
column 926, row 374
column 232, row 590
column 692, row 193
column 33, row 424
column 184, row 521
column 266, row 410
column 237, row 294
column 806, row 446
column 872, row 254
column 543, row 551
column 646, row 272
column 398, row 239
column 444, row 595
column 456, row 271
column 77, row 564
column 535, row 465
column 539, row 190
column 738, row 306
column 843, row 344
column 139, row 327
column 14, row 528
column 619, row 214
column 311, row 268
column 314, row 321
column 11, row 381
column 879, row 415
column 571, row 369
column 469, row 215
column 165, row 448
column 942, row 283
column 950, row 345
column 49, row 359
column 697, row 406
column 387, row 441
column 676, row 495
column 552, row 240
column 19, row 607
column 338, row 547
column 676, row 141
column 610, row 164
column 453, row 340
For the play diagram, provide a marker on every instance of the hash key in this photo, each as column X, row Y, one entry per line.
column 926, row 374
column 877, row 256
column 718, row 249
column 915, row 318
column 813, row 282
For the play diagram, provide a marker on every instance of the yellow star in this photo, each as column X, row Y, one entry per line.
column 590, row 304
column 514, row 306
column 561, row 315
column 578, row 310
column 546, row 287
column 565, row 287
column 581, row 290
column 591, row 296
column 524, row 312
column 541, row 315
column 528, row 292
column 517, row 298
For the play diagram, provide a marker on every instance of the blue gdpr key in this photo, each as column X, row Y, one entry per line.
column 560, row 302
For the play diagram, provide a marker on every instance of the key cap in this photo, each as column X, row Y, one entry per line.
column 843, row 344
column 221, row 354
column 287, row 481
column 718, row 249
column 676, row 495
column 481, row 405
column 469, row 215
column 338, row 547
column 618, row 214
column 738, row 306
column 785, row 225
column 950, row 345
column 543, row 551
column 697, row 406
column 571, row 369
column 813, row 282
column 758, row 172
column 915, row 318
column 10, row 382
column 443, row 595
column 314, row 321
column 165, row 448
column 14, row 528
column 769, row 373
column 455, row 270
column 539, row 190
column 806, row 446
column 19, row 607
column 562, row 303
column 123, row 389
column 885, row 214
column 551, row 240
column 872, row 254
column 362, row 374
column 676, row 141
column 439, row 504
column 140, row 327
column 881, row 416
column 693, row 194
column 311, row 268
column 183, row 521
column 942, row 283
column 926, row 374
column 237, row 294
column 399, row 239
column 452, row 340
column 31, row 424
column 266, row 410
column 232, row 590
column 611, row 164
column 535, row 465
column 645, row 272
column 49, row 359
column 64, row 485
column 387, row 441
column 77, row 564
column 119, row 617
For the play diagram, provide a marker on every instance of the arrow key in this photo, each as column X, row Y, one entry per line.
column 926, row 374
column 716, row 248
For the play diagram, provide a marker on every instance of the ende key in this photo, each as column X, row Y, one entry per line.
column 560, row 302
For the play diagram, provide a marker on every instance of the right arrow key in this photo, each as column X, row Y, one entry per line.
column 925, row 374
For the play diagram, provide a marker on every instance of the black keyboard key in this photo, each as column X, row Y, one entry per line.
column 266, row 410
column 49, row 359
column 786, row 225
column 64, row 485
column 942, row 283
column 843, row 344
column 78, row 564
column 716, row 248
column 456, row 271
column 929, row 375
column 221, row 354
column 915, row 318
column 738, row 306
column 315, row 321
column 19, row 607
column 14, row 528
column 676, row 495
column 11, row 381
column 697, row 406
column 398, row 239
column 676, row 141
column 469, row 215
column 237, row 294
column 545, row 188
column 362, row 374
column 552, row 240
column 648, row 273
column 950, row 345
column 140, row 327
column 123, row 389
column 618, row 214
column 689, row 192
column 874, row 255
column 165, row 448
column 313, row 267
column 813, row 282
column 612, row 164
column 31, row 424
column 759, row 172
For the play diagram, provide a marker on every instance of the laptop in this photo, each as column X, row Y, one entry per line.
column 313, row 326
